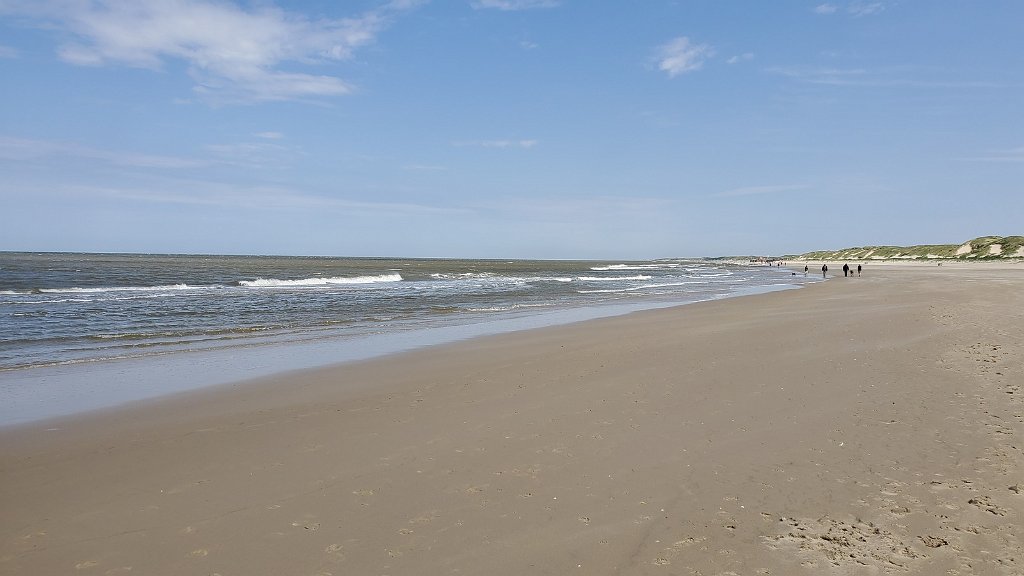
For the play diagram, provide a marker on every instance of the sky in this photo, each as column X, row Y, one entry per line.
column 628, row 129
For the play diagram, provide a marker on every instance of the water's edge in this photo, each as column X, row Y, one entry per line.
column 34, row 394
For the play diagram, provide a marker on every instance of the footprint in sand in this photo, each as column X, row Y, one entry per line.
column 424, row 518
column 86, row 564
column 199, row 553
column 986, row 504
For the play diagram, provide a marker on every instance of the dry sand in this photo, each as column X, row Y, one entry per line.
column 859, row 426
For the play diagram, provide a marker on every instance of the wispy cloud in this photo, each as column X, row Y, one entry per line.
column 680, row 55
column 20, row 149
column 865, row 8
column 890, row 77
column 269, row 135
column 745, row 57
column 259, row 197
column 251, row 154
column 8, row 52
column 1005, row 155
column 573, row 208
column 759, row 190
column 233, row 53
column 497, row 143
column 857, row 8
column 204, row 193
column 820, row 75
column 511, row 5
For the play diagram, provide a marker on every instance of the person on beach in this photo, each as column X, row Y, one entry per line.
column 846, row 270
column 858, row 269
column 824, row 269
column 805, row 269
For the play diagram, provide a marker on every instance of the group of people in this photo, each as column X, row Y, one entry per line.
column 847, row 270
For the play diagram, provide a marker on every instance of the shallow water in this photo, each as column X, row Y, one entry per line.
column 85, row 331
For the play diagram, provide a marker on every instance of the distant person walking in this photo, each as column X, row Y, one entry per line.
column 805, row 269
column 824, row 269
column 858, row 269
column 846, row 270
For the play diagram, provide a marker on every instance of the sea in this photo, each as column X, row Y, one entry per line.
column 88, row 331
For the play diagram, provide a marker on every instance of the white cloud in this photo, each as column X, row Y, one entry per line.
column 252, row 154
column 856, row 8
column 819, row 75
column 745, row 57
column 510, row 5
column 865, row 8
column 233, row 52
column 499, row 143
column 8, row 52
column 246, row 154
column 757, row 190
column 232, row 196
column 269, row 135
column 680, row 56
column 885, row 77
column 1007, row 155
column 20, row 149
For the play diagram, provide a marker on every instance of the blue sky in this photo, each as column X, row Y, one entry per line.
column 508, row 128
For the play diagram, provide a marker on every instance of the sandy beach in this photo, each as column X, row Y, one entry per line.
column 870, row 425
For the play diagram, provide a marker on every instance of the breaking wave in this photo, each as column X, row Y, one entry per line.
column 307, row 282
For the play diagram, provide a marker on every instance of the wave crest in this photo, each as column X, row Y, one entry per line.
column 612, row 278
column 308, row 282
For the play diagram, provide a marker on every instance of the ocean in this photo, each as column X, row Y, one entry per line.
column 67, row 319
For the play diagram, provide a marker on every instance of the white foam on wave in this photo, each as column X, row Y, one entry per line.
column 702, row 273
column 508, row 308
column 610, row 267
column 495, row 279
column 462, row 276
column 311, row 282
column 645, row 287
column 613, row 278
column 116, row 289
column 608, row 291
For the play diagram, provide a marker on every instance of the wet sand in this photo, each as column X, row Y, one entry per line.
column 869, row 425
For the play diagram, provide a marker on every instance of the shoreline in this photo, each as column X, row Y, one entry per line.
column 865, row 426
column 47, row 392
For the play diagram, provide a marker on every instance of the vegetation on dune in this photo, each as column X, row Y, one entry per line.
column 982, row 248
